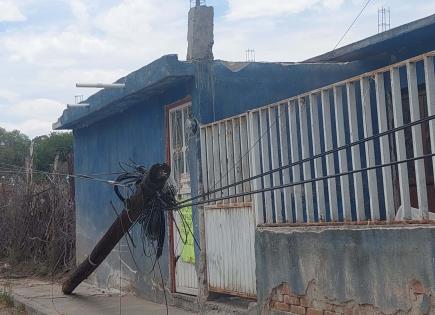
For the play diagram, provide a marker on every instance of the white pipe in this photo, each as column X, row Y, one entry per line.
column 101, row 85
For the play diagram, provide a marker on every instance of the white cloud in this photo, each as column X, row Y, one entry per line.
column 45, row 62
column 30, row 127
column 33, row 117
column 8, row 96
column 242, row 9
column 9, row 12
column 102, row 40
column 33, row 109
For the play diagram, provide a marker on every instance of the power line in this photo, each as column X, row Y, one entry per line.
column 351, row 25
column 241, row 159
column 346, row 146
column 20, row 170
column 253, row 192
column 236, row 163
column 61, row 174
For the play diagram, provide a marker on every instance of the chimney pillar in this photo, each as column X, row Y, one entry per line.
column 200, row 33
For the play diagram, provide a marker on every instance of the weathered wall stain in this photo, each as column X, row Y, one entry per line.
column 283, row 300
column 378, row 270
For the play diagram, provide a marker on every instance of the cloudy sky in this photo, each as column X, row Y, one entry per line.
column 46, row 46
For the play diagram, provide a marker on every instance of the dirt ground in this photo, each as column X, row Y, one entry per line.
column 11, row 311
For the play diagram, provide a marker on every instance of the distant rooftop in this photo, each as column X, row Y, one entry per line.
column 418, row 33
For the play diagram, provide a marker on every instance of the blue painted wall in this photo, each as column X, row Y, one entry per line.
column 131, row 125
column 137, row 134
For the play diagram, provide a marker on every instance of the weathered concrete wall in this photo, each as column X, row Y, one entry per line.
column 200, row 34
column 355, row 270
column 138, row 134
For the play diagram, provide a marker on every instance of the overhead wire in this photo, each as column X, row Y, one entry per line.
column 351, row 25
column 22, row 170
column 241, row 159
column 314, row 157
column 253, row 192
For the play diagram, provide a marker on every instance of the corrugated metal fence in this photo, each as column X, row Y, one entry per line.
column 305, row 126
column 327, row 141
column 230, row 224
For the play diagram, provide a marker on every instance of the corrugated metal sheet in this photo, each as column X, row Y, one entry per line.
column 230, row 235
column 186, row 280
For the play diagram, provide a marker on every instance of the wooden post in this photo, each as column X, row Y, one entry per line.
column 152, row 182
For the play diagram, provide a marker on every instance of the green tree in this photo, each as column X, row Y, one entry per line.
column 14, row 147
column 48, row 146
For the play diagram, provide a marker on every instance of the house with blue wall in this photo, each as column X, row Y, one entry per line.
column 187, row 113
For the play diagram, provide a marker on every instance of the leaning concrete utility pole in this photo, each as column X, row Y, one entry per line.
column 152, row 183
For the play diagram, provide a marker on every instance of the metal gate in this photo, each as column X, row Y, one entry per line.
column 230, row 224
column 186, row 280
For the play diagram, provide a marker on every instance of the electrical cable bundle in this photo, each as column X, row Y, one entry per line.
column 152, row 220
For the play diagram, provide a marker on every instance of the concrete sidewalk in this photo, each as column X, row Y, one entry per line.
column 42, row 297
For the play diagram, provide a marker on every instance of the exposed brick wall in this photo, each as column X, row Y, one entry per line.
column 283, row 301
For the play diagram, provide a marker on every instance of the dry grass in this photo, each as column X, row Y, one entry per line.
column 37, row 225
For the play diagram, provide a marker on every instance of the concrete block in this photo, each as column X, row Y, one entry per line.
column 281, row 306
column 304, row 301
column 300, row 310
column 314, row 311
column 293, row 300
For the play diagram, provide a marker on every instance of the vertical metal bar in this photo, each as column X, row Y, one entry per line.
column 255, row 165
column 417, row 140
column 210, row 162
column 400, row 143
column 171, row 143
column 237, row 156
column 318, row 169
column 387, row 177
column 342, row 156
column 275, row 162
column 216, row 163
column 223, row 159
column 265, row 151
column 430, row 93
column 330, row 169
column 203, row 144
column 230, row 158
column 294, row 145
column 183, row 142
column 355, row 151
column 283, row 141
column 244, row 139
column 370, row 148
column 305, row 145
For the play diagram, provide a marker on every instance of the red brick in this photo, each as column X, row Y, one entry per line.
column 348, row 311
column 314, row 311
column 338, row 309
column 300, row 310
column 281, row 306
column 293, row 300
column 285, row 289
column 278, row 298
column 304, row 301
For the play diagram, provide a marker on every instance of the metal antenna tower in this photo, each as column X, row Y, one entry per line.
column 250, row 55
column 78, row 99
column 197, row 3
column 384, row 20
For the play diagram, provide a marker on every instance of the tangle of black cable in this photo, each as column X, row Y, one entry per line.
column 152, row 221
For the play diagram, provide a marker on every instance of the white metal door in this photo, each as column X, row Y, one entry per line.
column 186, row 280
column 230, row 223
column 230, row 234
